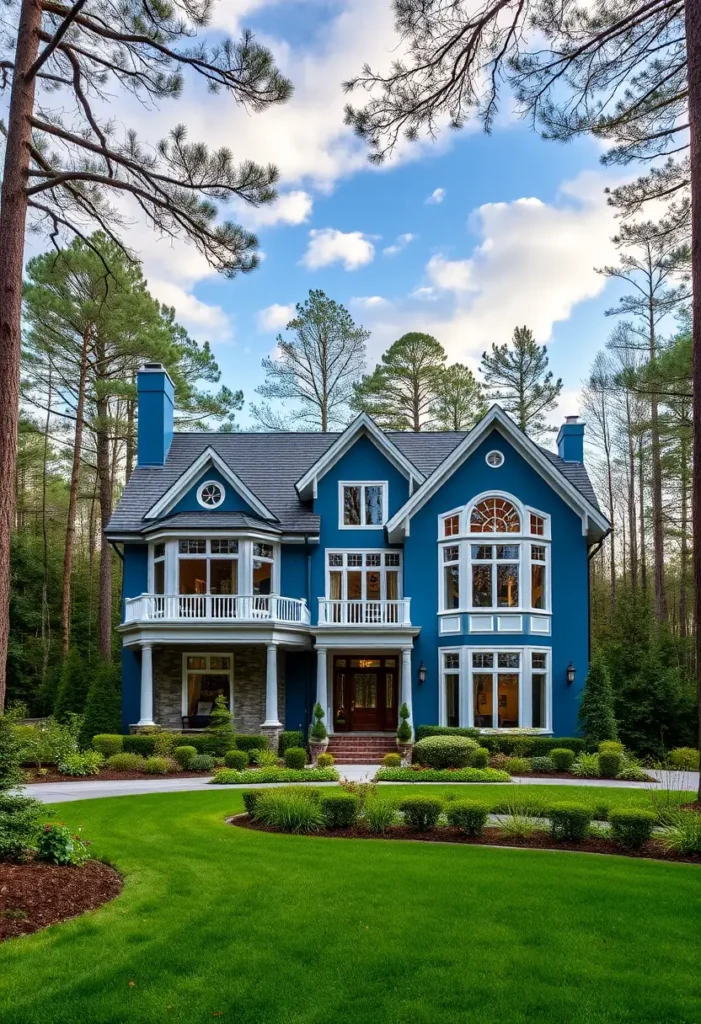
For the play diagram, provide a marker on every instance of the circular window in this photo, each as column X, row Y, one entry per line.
column 494, row 459
column 210, row 494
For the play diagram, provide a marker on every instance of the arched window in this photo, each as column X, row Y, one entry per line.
column 495, row 515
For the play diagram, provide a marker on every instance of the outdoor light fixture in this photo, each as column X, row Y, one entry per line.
column 570, row 674
column 422, row 673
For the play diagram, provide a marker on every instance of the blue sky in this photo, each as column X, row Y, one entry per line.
column 520, row 225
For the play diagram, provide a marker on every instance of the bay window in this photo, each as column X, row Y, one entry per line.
column 503, row 689
column 218, row 567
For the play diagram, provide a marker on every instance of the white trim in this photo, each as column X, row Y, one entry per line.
column 185, row 481
column 495, row 465
column 497, row 418
column 219, row 671
column 344, row 569
column 342, row 484
column 210, row 483
column 361, row 425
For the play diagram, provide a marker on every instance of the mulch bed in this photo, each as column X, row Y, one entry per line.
column 540, row 840
column 53, row 776
column 35, row 895
column 695, row 806
column 571, row 777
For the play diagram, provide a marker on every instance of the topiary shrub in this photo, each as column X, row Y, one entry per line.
column 630, row 827
column 444, row 751
column 479, row 758
column 295, row 757
column 184, row 755
column 325, row 761
column 562, row 758
column 81, row 763
column 140, row 743
column 467, row 815
column 404, row 730
column 391, row 761
column 290, row 738
column 236, row 759
column 542, row 764
column 610, row 764
column 586, row 766
column 684, row 759
column 569, row 822
column 125, row 763
column 517, row 765
column 156, row 766
column 221, row 718
column 421, row 813
column 340, row 810
column 201, row 763
column 108, row 744
column 318, row 733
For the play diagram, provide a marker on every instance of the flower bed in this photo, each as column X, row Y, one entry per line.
column 419, row 774
column 254, row 776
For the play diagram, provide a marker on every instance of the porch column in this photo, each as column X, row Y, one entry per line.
column 271, row 719
column 406, row 683
column 321, row 682
column 146, row 686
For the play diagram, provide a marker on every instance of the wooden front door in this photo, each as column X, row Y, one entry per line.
column 365, row 694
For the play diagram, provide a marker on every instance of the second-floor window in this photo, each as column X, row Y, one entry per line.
column 208, row 566
column 363, row 575
column 218, row 566
column 362, row 505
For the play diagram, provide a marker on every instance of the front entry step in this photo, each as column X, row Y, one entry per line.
column 361, row 748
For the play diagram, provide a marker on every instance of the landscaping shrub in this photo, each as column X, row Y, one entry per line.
column 596, row 709
column 422, row 731
column 318, row 732
column 684, row 759
column 288, row 811
column 103, row 707
column 569, row 822
column 295, row 757
column 250, row 741
column 479, row 758
column 125, row 763
column 498, row 761
column 562, row 758
column 379, row 814
column 610, row 764
column 11, row 774
column 325, row 761
column 586, row 766
column 340, row 809
column 251, row 776
column 391, row 761
column 404, row 730
column 140, row 743
column 250, row 797
column 184, row 755
column 201, row 763
column 610, row 747
column 57, row 844
column 20, row 818
column 86, row 762
column 517, row 765
column 542, row 746
column 166, row 742
column 467, row 815
column 684, row 833
column 441, row 775
column 631, row 772
column 631, row 827
column 444, row 751
column 290, row 738
column 421, row 813
column 157, row 765
column 263, row 757
column 236, row 759
column 363, row 790
column 108, row 744
column 220, row 718
column 542, row 764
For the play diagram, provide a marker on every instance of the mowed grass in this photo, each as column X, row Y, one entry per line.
column 220, row 923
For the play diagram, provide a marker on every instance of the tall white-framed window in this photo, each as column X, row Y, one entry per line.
column 158, row 585
column 204, row 677
column 362, row 504
column 364, row 575
column 487, row 560
column 496, row 688
column 208, row 566
column 263, row 567
column 214, row 565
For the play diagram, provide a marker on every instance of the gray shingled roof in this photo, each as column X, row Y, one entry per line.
column 210, row 521
column 270, row 464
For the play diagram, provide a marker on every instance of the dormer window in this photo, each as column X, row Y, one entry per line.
column 362, row 505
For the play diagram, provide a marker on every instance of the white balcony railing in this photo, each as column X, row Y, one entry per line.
column 215, row 608
column 364, row 613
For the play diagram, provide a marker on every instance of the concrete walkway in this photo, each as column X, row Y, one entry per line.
column 61, row 792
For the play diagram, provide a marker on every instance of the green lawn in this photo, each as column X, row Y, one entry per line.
column 218, row 923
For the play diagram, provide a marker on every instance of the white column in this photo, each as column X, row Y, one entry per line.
column 271, row 719
column 146, row 685
column 406, row 683
column 321, row 682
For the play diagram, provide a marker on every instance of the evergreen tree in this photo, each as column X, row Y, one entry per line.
column 596, row 715
column 103, row 707
column 460, row 402
column 521, row 382
column 11, row 774
column 401, row 392
column 73, row 686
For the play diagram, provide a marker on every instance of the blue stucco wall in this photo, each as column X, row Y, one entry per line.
column 300, row 669
column 233, row 502
column 293, row 571
column 569, row 639
column 135, row 580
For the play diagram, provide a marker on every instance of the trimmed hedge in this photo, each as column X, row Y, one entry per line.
column 630, row 827
column 562, row 758
column 523, row 745
column 444, row 751
column 246, row 741
column 422, row 731
column 139, row 743
column 251, row 776
column 610, row 763
column 184, row 755
column 237, row 759
column 108, row 744
column 421, row 813
column 295, row 757
column 340, row 809
column 570, row 822
column 467, row 815
column 441, row 775
column 289, row 738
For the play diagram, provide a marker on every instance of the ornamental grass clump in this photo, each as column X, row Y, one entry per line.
column 683, row 834
column 379, row 815
column 586, row 766
column 444, row 751
column 340, row 809
column 631, row 828
column 468, row 816
column 569, row 822
column 421, row 813
column 289, row 812
column 263, row 758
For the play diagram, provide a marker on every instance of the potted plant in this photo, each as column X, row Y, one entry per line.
column 404, row 735
column 318, row 737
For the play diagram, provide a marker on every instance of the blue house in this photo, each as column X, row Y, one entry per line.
column 359, row 569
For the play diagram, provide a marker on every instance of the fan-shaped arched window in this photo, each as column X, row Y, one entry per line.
column 494, row 515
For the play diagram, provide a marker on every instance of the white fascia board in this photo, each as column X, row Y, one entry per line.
column 362, row 424
column 496, row 417
column 208, row 458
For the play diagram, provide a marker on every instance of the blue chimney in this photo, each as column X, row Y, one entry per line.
column 570, row 440
column 155, row 414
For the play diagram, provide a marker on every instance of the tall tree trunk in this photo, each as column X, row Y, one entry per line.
column 693, row 56
column 632, row 530
column 684, row 543
column 656, row 486
column 130, row 447
column 73, row 501
column 13, row 216
column 641, row 499
column 45, row 616
column 104, row 475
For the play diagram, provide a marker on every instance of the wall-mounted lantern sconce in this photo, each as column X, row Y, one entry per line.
column 422, row 674
column 571, row 672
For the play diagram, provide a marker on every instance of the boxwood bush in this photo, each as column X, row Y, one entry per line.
column 340, row 809
column 289, row 738
column 246, row 741
column 108, row 744
column 156, row 765
column 391, row 760
column 295, row 757
column 421, row 813
column 441, row 775
column 631, row 827
column 184, row 755
column 444, row 751
column 610, row 763
column 467, row 815
column 325, row 760
column 125, row 763
column 562, row 758
column 570, row 822
column 236, row 759
column 517, row 765
column 479, row 758
column 140, row 743
column 520, row 744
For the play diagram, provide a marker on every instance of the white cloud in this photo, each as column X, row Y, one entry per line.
column 424, row 294
column 400, row 243
column 450, row 275
column 202, row 320
column 437, row 196
column 370, row 302
column 327, row 245
column 289, row 208
column 274, row 317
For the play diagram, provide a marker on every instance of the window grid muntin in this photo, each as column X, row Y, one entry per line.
column 380, row 562
column 370, row 498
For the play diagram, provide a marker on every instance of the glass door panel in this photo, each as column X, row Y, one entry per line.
column 507, row 698
column 483, row 698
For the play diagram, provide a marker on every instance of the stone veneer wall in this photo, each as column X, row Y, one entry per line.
column 249, row 686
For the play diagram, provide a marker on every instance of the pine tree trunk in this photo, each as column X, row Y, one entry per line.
column 104, row 475
column 632, row 531
column 641, row 499
column 45, row 614
column 13, row 215
column 684, row 544
column 693, row 52
column 130, row 448
column 73, row 502
column 656, row 491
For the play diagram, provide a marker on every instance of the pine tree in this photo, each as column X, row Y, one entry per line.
column 401, row 391
column 103, row 707
column 73, row 687
column 596, row 715
column 521, row 382
column 460, row 402
column 10, row 771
